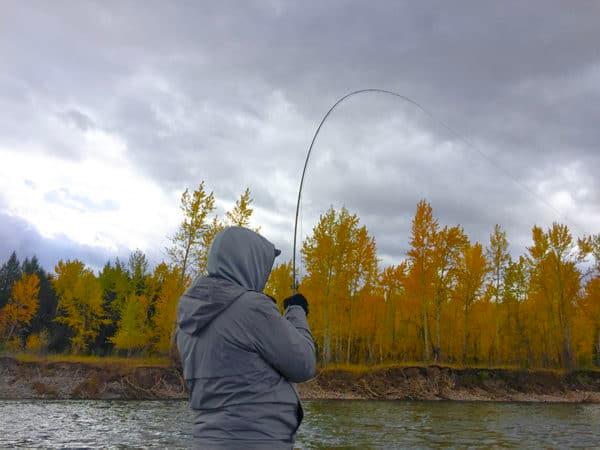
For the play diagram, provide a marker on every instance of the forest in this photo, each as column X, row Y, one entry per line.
column 449, row 301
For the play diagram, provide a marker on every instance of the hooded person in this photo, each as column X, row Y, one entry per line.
column 240, row 356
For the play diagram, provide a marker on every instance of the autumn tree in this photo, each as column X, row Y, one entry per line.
column 242, row 212
column 167, row 294
column 448, row 244
column 397, row 328
column 279, row 284
column 116, row 287
column 471, row 273
column 341, row 265
column 498, row 261
column 80, row 303
column 187, row 241
column 421, row 257
column 554, row 288
column 499, row 258
column 514, row 347
column 21, row 307
column 134, row 327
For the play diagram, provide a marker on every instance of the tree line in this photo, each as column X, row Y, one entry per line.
column 450, row 300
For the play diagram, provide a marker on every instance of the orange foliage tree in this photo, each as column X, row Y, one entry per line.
column 21, row 307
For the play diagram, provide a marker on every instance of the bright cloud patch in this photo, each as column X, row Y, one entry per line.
column 99, row 200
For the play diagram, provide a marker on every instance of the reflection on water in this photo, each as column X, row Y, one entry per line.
column 339, row 424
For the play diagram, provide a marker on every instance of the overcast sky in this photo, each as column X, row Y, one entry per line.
column 109, row 110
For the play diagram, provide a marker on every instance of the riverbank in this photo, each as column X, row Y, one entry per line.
column 129, row 379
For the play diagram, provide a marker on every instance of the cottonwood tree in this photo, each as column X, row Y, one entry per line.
column 448, row 243
column 242, row 212
column 421, row 257
column 80, row 303
column 554, row 288
column 341, row 267
column 188, row 240
column 166, row 296
column 471, row 273
column 21, row 306
column 134, row 328
column 498, row 260
column 279, row 284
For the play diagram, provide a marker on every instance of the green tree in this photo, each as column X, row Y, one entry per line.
column 116, row 287
column 10, row 272
column 138, row 271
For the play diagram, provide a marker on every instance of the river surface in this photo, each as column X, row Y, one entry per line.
column 327, row 424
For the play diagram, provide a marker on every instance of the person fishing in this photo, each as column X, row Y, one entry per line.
column 240, row 356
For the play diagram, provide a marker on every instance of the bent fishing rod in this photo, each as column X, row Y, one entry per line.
column 429, row 114
column 312, row 143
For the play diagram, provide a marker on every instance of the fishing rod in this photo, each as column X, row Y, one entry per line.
column 312, row 143
column 421, row 108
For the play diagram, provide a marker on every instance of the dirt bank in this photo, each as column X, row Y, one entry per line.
column 444, row 383
column 74, row 380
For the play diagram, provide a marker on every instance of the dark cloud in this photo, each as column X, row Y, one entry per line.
column 22, row 237
column 77, row 119
column 231, row 93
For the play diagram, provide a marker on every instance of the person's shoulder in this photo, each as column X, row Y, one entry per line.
column 258, row 302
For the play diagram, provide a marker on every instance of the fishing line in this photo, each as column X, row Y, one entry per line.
column 406, row 99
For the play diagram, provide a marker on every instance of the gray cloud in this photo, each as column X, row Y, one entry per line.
column 231, row 94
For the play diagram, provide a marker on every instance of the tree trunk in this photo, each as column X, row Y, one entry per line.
column 465, row 337
column 437, row 348
column 425, row 336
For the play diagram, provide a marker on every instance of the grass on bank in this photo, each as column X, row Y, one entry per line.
column 122, row 361
column 360, row 369
column 357, row 369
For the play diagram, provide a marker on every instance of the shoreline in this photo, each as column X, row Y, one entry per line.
column 25, row 380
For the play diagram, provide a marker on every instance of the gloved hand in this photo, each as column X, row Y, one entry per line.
column 296, row 299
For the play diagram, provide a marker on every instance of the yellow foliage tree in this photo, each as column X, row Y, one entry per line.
column 165, row 306
column 134, row 328
column 242, row 212
column 188, row 240
column 471, row 273
column 80, row 302
column 341, row 265
column 21, row 307
column 553, row 290
column 421, row 257
column 279, row 284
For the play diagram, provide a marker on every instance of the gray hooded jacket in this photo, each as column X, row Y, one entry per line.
column 240, row 357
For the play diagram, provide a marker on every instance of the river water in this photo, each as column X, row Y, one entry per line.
column 327, row 424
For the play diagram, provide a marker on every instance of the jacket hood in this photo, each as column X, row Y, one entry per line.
column 239, row 260
column 243, row 257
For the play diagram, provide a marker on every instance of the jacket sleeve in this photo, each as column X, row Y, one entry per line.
column 285, row 342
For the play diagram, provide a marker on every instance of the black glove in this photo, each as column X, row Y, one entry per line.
column 296, row 299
